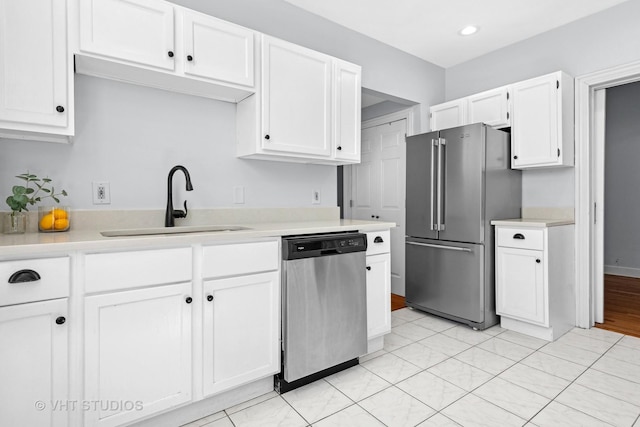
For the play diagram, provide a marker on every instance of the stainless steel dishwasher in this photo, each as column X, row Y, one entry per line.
column 324, row 312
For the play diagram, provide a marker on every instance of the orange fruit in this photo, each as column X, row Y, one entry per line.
column 61, row 224
column 59, row 213
column 47, row 222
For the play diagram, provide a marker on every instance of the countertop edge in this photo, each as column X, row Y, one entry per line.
column 41, row 244
column 532, row 222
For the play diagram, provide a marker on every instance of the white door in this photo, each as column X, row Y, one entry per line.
column 296, row 103
column 217, row 50
column 378, row 295
column 140, row 31
column 378, row 188
column 33, row 54
column 520, row 285
column 138, row 350
column 241, row 330
column 34, row 372
column 534, row 131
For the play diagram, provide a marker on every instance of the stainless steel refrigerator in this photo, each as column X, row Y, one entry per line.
column 458, row 180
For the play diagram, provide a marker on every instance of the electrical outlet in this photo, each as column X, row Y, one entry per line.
column 238, row 195
column 315, row 197
column 101, row 193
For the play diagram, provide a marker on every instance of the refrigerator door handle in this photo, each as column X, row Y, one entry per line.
column 452, row 248
column 434, row 143
column 441, row 146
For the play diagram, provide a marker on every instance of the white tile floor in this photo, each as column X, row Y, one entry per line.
column 433, row 372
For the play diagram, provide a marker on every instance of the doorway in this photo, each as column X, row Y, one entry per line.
column 621, row 231
column 375, row 188
column 589, row 190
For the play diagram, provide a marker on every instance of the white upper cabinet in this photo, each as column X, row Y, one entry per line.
column 347, row 111
column 449, row 114
column 36, row 76
column 308, row 108
column 217, row 50
column 296, row 103
column 140, row 31
column 490, row 107
column 542, row 130
column 156, row 43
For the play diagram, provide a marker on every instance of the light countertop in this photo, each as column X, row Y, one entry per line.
column 531, row 222
column 35, row 243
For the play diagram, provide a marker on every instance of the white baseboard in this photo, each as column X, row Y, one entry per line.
column 622, row 271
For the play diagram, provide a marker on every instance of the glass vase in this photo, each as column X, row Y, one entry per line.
column 14, row 223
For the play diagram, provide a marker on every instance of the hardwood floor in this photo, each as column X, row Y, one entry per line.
column 397, row 302
column 621, row 305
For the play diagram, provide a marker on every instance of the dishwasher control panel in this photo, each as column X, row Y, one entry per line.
column 298, row 247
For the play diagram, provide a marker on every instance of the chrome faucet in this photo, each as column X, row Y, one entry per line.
column 170, row 214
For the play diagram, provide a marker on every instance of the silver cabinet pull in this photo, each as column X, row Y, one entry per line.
column 451, row 248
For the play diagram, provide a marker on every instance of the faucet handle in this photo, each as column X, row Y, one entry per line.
column 177, row 213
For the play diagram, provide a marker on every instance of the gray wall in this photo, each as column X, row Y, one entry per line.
column 131, row 135
column 622, row 177
column 596, row 42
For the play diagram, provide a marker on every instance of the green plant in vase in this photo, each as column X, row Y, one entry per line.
column 33, row 191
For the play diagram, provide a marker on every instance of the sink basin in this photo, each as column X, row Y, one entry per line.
column 171, row 230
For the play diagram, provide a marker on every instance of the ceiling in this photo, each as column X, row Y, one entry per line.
column 429, row 29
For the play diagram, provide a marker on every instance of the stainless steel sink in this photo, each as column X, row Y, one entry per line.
column 172, row 230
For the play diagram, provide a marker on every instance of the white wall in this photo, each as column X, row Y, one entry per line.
column 622, row 177
column 596, row 42
column 131, row 136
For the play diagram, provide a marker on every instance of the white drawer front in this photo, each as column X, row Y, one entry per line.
column 122, row 270
column 524, row 238
column 242, row 258
column 53, row 281
column 382, row 246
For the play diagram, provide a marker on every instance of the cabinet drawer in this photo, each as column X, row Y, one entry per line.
column 380, row 247
column 53, row 280
column 122, row 270
column 524, row 238
column 242, row 258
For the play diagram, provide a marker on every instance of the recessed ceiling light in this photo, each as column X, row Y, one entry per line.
column 468, row 30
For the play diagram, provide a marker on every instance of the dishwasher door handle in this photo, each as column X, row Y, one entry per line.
column 451, row 248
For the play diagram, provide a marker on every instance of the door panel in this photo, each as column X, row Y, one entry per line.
column 462, row 200
column 446, row 277
column 421, row 167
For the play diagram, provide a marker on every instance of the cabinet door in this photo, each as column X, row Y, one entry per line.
column 521, row 285
column 490, row 107
column 33, row 54
column 33, row 364
column 140, row 31
column 378, row 295
column 217, row 50
column 137, row 352
column 448, row 115
column 296, row 107
column 241, row 330
column 346, row 111
column 534, row 133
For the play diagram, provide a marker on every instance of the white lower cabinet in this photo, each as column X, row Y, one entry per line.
column 524, row 295
column 378, row 264
column 241, row 330
column 34, row 371
column 137, row 353
column 535, row 292
column 378, row 295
